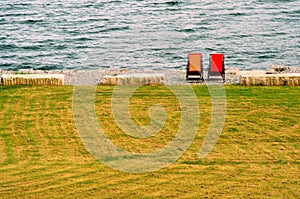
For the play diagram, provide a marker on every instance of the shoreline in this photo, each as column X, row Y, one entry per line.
column 171, row 76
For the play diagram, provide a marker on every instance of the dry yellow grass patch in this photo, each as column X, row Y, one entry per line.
column 2, row 151
column 256, row 156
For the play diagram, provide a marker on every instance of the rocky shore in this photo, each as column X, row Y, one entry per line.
column 171, row 76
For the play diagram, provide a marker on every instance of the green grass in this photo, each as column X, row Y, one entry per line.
column 256, row 156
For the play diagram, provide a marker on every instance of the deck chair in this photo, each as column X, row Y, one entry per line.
column 216, row 66
column 194, row 70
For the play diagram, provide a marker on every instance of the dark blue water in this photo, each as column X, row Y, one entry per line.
column 91, row 34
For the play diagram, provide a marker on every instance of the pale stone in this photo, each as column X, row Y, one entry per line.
column 232, row 71
column 278, row 68
column 32, row 79
column 135, row 79
column 38, row 72
column 8, row 72
column 251, row 72
column 25, row 71
column 112, row 71
column 288, row 79
column 271, row 71
column 53, row 71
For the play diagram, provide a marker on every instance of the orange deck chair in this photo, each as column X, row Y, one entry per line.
column 194, row 70
column 216, row 66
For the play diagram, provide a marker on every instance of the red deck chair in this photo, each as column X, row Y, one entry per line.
column 194, row 70
column 216, row 66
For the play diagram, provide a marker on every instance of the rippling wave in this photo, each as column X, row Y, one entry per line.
column 90, row 34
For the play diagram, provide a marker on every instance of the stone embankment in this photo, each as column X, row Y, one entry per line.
column 33, row 79
column 134, row 79
column 275, row 75
column 271, row 80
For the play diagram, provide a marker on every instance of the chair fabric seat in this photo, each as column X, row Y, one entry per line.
column 216, row 66
column 194, row 67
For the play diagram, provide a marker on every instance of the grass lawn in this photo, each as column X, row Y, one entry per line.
column 256, row 156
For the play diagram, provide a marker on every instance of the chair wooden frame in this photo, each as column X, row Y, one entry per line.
column 194, row 70
column 216, row 66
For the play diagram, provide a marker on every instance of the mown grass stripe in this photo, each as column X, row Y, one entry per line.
column 2, row 151
column 9, row 149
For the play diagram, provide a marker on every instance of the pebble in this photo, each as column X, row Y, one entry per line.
column 172, row 76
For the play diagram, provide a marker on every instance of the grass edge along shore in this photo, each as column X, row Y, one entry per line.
column 171, row 76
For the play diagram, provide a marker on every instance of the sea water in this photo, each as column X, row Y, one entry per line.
column 147, row 34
